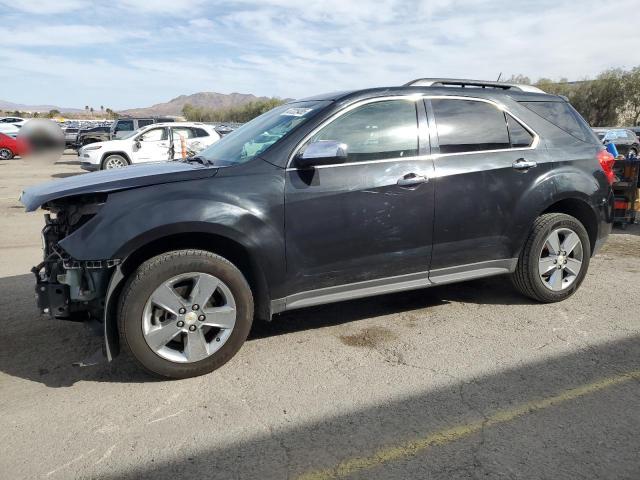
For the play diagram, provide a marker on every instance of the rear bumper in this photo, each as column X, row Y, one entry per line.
column 605, row 221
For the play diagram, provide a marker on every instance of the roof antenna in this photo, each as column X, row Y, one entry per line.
column 499, row 77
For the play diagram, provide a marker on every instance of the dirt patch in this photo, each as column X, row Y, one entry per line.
column 368, row 337
column 621, row 245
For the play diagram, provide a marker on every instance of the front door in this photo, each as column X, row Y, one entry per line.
column 152, row 146
column 371, row 217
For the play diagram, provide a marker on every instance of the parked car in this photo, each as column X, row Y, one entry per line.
column 625, row 140
column 93, row 135
column 9, row 129
column 124, row 126
column 155, row 142
column 70, row 136
column 334, row 197
column 11, row 147
column 636, row 131
column 17, row 121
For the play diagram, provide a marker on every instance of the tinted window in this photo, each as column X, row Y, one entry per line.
column 144, row 123
column 563, row 116
column 520, row 137
column 124, row 126
column 376, row 131
column 469, row 126
column 200, row 132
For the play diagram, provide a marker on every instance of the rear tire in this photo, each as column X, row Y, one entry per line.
column 161, row 341
column 5, row 154
column 554, row 260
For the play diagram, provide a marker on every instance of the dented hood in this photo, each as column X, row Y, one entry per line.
column 113, row 180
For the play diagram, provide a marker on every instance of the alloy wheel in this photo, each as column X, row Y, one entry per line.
column 5, row 154
column 189, row 317
column 560, row 260
column 114, row 162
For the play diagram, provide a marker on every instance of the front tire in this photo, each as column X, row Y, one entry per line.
column 114, row 161
column 554, row 260
column 185, row 313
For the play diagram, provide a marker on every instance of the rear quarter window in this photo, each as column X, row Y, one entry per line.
column 565, row 117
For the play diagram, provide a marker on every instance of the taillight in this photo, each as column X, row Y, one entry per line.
column 606, row 162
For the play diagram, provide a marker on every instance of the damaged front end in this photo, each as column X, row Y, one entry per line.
column 66, row 288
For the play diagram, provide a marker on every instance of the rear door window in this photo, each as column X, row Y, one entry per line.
column 519, row 136
column 144, row 123
column 469, row 126
column 563, row 116
column 184, row 132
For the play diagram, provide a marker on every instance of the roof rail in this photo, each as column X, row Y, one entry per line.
column 456, row 82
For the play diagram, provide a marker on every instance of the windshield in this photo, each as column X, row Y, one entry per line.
column 614, row 135
column 253, row 138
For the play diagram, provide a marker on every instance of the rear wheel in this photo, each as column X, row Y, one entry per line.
column 5, row 154
column 114, row 161
column 554, row 260
column 185, row 313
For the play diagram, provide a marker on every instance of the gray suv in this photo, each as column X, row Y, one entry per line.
column 329, row 198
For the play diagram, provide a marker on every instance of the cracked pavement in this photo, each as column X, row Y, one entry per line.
column 323, row 385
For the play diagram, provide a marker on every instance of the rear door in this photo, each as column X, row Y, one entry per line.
column 189, row 141
column 371, row 217
column 486, row 159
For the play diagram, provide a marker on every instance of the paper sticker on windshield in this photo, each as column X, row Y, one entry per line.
column 296, row 112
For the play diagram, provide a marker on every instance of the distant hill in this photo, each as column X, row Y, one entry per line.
column 10, row 107
column 203, row 99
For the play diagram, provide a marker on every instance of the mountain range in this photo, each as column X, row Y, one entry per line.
column 172, row 107
column 10, row 107
column 211, row 100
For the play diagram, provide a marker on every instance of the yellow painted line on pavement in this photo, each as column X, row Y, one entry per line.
column 442, row 437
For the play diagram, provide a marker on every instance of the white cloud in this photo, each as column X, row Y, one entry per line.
column 44, row 7
column 294, row 49
column 180, row 8
column 65, row 35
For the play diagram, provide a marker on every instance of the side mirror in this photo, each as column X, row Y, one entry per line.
column 138, row 144
column 323, row 152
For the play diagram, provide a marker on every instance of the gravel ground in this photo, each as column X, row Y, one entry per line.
column 463, row 381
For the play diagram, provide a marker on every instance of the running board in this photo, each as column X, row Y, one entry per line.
column 400, row 283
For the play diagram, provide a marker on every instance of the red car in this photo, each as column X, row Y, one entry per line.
column 10, row 147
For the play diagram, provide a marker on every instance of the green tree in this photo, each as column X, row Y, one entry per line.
column 631, row 97
column 53, row 113
column 241, row 114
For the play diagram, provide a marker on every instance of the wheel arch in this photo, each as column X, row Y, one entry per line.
column 580, row 209
column 122, row 154
column 224, row 245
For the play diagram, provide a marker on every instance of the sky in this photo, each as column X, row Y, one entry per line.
column 130, row 53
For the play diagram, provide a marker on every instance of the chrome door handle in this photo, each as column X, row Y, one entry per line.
column 522, row 164
column 411, row 179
